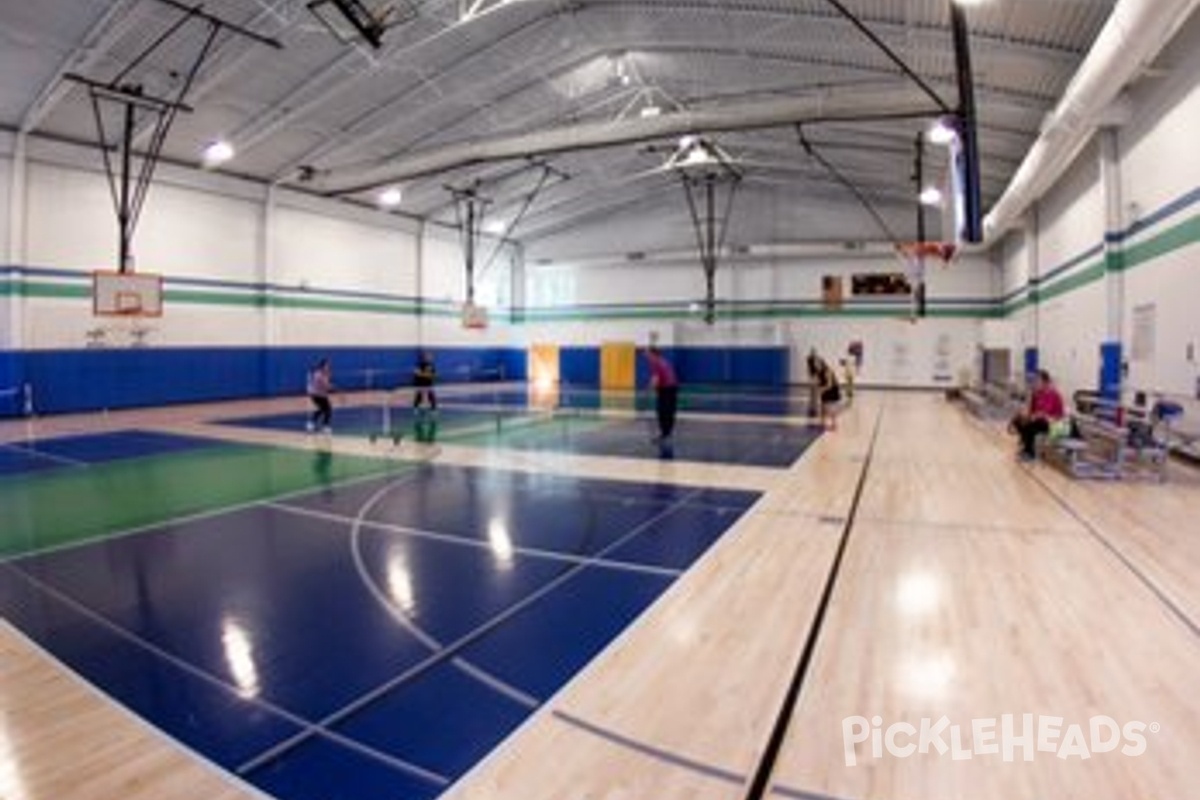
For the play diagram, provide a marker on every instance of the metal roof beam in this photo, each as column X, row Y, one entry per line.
column 112, row 25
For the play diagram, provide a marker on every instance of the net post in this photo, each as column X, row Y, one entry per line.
column 27, row 405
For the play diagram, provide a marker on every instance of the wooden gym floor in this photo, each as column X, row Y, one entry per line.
column 961, row 585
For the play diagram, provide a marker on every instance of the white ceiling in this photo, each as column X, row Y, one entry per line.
column 447, row 79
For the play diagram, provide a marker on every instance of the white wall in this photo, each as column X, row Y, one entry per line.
column 8, row 303
column 1159, row 183
column 313, row 250
column 5, row 195
column 627, row 301
column 332, row 274
column 1160, row 165
column 444, row 285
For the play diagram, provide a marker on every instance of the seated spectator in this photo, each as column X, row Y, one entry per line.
column 1045, row 408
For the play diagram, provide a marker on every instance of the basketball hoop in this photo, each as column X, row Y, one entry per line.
column 914, row 252
column 913, row 256
column 474, row 317
column 126, row 294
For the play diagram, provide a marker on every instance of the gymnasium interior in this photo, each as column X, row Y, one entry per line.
column 599, row 399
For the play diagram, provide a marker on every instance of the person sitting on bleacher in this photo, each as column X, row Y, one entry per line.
column 1045, row 408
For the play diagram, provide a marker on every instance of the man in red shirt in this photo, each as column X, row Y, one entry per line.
column 1045, row 407
column 666, row 391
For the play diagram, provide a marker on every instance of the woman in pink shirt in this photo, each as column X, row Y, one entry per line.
column 1045, row 407
column 666, row 391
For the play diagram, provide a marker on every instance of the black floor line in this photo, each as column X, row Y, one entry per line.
column 1097, row 534
column 760, row 783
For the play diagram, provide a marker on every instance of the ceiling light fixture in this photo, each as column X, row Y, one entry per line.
column 931, row 196
column 390, row 197
column 943, row 131
column 217, row 152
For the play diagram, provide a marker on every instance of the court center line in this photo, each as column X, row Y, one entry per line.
column 462, row 541
column 453, row 648
column 761, row 781
column 405, row 620
column 217, row 682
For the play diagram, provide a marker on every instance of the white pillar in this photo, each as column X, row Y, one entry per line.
column 16, row 250
column 1114, row 247
column 419, row 285
column 266, row 266
column 1033, row 230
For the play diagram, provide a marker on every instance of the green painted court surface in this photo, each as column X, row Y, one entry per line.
column 62, row 506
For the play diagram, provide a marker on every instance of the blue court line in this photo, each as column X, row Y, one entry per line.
column 216, row 682
column 656, row 753
column 453, row 648
column 799, row 794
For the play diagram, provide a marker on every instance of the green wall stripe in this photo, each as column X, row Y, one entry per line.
column 1178, row 236
column 1183, row 235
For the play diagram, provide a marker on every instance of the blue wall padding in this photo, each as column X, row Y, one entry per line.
column 1110, row 371
column 11, row 377
column 579, row 366
column 1032, row 360
column 84, row 380
column 746, row 366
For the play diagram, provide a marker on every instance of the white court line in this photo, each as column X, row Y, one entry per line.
column 462, row 541
column 21, row 447
column 463, row 641
column 214, row 680
column 136, row 719
column 188, row 518
column 406, row 621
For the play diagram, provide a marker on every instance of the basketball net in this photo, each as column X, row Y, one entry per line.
column 914, row 255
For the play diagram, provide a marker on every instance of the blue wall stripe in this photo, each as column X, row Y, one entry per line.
column 1179, row 204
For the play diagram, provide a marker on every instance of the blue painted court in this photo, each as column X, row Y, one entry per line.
column 508, row 419
column 768, row 401
column 346, row 627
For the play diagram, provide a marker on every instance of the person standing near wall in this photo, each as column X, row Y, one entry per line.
column 829, row 394
column 665, row 383
column 423, row 378
column 848, row 377
column 813, row 367
column 319, row 388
